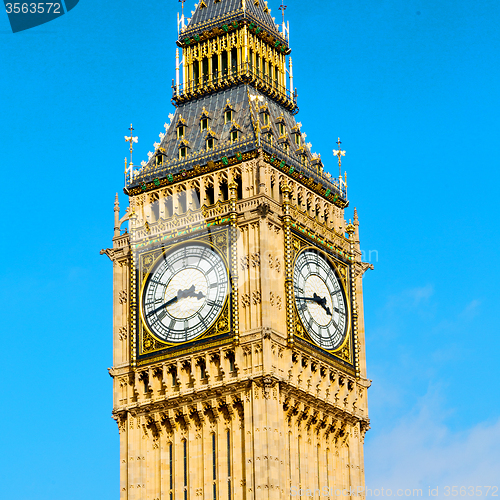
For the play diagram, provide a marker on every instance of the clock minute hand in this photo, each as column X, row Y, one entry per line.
column 166, row 304
column 314, row 298
column 319, row 300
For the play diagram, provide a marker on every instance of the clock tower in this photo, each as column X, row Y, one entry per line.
column 238, row 332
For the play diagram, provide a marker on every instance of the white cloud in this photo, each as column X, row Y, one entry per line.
column 421, row 451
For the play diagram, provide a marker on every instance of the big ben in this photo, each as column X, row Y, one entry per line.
column 239, row 365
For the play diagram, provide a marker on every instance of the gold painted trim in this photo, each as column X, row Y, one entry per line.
column 208, row 239
column 335, row 264
column 154, row 265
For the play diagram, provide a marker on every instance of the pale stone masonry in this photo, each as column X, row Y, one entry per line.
column 260, row 401
column 296, row 418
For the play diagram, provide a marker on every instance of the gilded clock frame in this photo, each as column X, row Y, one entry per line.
column 343, row 270
column 149, row 348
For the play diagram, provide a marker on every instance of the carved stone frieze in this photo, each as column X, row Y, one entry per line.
column 256, row 297
column 275, row 300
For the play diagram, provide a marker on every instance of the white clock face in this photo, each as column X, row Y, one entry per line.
column 185, row 293
column 320, row 300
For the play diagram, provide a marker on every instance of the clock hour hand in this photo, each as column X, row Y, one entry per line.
column 326, row 308
column 181, row 294
column 190, row 293
column 322, row 302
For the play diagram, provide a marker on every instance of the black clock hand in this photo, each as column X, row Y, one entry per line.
column 166, row 304
column 327, row 309
column 322, row 302
column 190, row 293
column 319, row 300
column 181, row 294
column 314, row 298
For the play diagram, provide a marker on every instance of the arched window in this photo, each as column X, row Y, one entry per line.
column 234, row 60
column 215, row 66
column 214, row 466
column 224, row 190
column 210, row 194
column 299, row 443
column 204, row 69
column 203, row 369
column 171, row 470
column 155, row 208
column 196, row 73
column 317, row 462
column 185, row 463
column 182, row 202
column 224, row 62
column 229, row 458
column 239, row 190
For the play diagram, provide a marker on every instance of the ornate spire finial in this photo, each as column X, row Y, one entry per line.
column 339, row 153
column 131, row 140
column 283, row 7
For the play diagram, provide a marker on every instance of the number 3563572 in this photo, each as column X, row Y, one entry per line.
column 33, row 8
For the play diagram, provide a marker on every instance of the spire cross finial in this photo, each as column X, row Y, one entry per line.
column 131, row 140
column 339, row 153
column 282, row 7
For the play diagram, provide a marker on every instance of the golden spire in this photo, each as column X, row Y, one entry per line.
column 131, row 140
column 339, row 153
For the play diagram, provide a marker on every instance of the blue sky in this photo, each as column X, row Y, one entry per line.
column 412, row 90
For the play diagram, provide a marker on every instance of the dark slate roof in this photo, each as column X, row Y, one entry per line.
column 216, row 13
column 214, row 104
column 214, row 10
column 190, row 113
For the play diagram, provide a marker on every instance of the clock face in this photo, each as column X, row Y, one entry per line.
column 185, row 293
column 320, row 300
